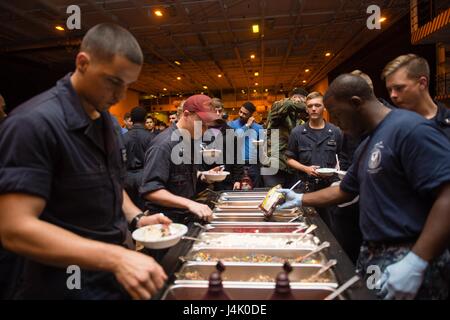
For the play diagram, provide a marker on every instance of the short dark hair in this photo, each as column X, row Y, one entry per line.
column 298, row 91
column 249, row 106
column 348, row 85
column 106, row 40
column 138, row 115
column 126, row 116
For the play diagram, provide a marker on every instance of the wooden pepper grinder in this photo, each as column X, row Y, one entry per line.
column 282, row 286
column 215, row 287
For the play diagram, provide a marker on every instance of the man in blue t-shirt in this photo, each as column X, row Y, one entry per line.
column 401, row 172
column 246, row 128
column 407, row 81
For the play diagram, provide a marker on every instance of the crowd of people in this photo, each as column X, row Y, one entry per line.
column 73, row 183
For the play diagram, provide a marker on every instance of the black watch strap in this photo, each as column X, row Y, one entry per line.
column 133, row 223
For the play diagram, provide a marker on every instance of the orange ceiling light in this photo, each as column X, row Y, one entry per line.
column 59, row 28
column 158, row 13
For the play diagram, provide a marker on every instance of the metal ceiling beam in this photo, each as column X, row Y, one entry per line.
column 156, row 53
column 50, row 44
column 348, row 44
column 163, row 84
column 235, row 48
column 239, row 19
column 186, row 15
column 291, row 39
column 262, row 42
column 245, row 30
column 50, row 7
column 322, row 35
column 144, row 43
column 12, row 29
column 7, row 6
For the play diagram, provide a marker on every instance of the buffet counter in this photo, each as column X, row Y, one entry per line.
column 253, row 251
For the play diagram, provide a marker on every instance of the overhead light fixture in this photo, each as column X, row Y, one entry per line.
column 266, row 90
column 252, row 56
column 243, row 91
column 219, row 75
column 254, row 90
column 327, row 54
column 383, row 19
column 256, row 73
column 255, row 28
column 205, row 87
column 304, row 81
column 178, row 78
column 256, row 83
column 178, row 63
column 158, row 13
column 306, row 70
column 165, row 89
column 59, row 28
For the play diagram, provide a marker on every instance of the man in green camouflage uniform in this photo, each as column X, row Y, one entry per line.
column 284, row 115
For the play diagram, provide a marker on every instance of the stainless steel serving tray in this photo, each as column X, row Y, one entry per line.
column 247, row 292
column 250, row 209
column 256, row 240
column 240, row 203
column 254, row 273
column 251, row 215
column 243, row 194
column 246, row 218
column 241, row 254
column 267, row 227
column 259, row 224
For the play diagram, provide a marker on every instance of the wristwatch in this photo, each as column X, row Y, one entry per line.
column 133, row 223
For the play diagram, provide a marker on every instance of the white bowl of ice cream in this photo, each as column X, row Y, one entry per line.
column 326, row 172
column 341, row 174
column 158, row 236
column 215, row 176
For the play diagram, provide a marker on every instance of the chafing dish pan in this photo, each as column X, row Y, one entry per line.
column 246, row 292
column 255, row 273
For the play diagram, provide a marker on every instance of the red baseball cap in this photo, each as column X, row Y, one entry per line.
column 201, row 105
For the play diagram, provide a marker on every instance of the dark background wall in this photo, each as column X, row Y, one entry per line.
column 392, row 43
column 21, row 79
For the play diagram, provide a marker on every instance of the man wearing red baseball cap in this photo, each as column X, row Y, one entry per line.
column 168, row 185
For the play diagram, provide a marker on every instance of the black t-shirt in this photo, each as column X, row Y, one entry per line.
column 137, row 141
column 169, row 165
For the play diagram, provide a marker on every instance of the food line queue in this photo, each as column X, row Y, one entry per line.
column 63, row 171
